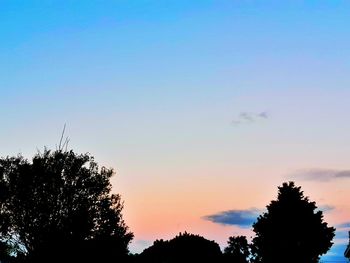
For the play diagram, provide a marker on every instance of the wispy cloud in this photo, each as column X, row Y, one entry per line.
column 322, row 175
column 326, row 208
column 343, row 225
column 249, row 117
column 241, row 218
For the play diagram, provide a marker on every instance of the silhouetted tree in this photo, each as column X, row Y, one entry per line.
column 58, row 207
column 237, row 250
column 183, row 248
column 292, row 229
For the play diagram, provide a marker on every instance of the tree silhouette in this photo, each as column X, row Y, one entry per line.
column 183, row 248
column 292, row 229
column 237, row 250
column 58, row 207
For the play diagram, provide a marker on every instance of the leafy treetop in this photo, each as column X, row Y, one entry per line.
column 60, row 201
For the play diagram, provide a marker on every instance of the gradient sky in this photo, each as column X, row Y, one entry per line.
column 202, row 107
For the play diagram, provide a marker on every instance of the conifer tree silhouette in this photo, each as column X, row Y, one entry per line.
column 292, row 229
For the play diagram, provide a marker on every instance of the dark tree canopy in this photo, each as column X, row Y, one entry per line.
column 183, row 248
column 60, row 204
column 292, row 229
column 237, row 250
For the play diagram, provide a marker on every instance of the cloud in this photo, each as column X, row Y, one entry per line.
column 241, row 218
column 326, row 208
column 343, row 225
column 321, row 175
column 249, row 117
column 343, row 174
column 246, row 116
column 263, row 115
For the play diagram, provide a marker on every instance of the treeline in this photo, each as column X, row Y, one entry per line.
column 58, row 207
column 194, row 248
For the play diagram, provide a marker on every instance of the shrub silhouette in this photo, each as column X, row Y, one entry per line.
column 183, row 248
column 292, row 229
column 58, row 208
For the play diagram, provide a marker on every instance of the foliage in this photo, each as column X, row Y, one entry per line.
column 237, row 250
column 60, row 204
column 292, row 229
column 183, row 248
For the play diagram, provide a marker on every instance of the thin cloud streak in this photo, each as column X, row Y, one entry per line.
column 321, row 175
column 326, row 208
column 249, row 117
column 343, row 225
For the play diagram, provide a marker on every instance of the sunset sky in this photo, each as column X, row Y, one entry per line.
column 203, row 108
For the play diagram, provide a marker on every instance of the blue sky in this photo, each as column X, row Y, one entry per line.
column 157, row 90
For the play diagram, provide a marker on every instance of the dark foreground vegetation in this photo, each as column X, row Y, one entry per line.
column 58, row 207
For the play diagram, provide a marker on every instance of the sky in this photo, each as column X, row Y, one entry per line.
column 203, row 108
